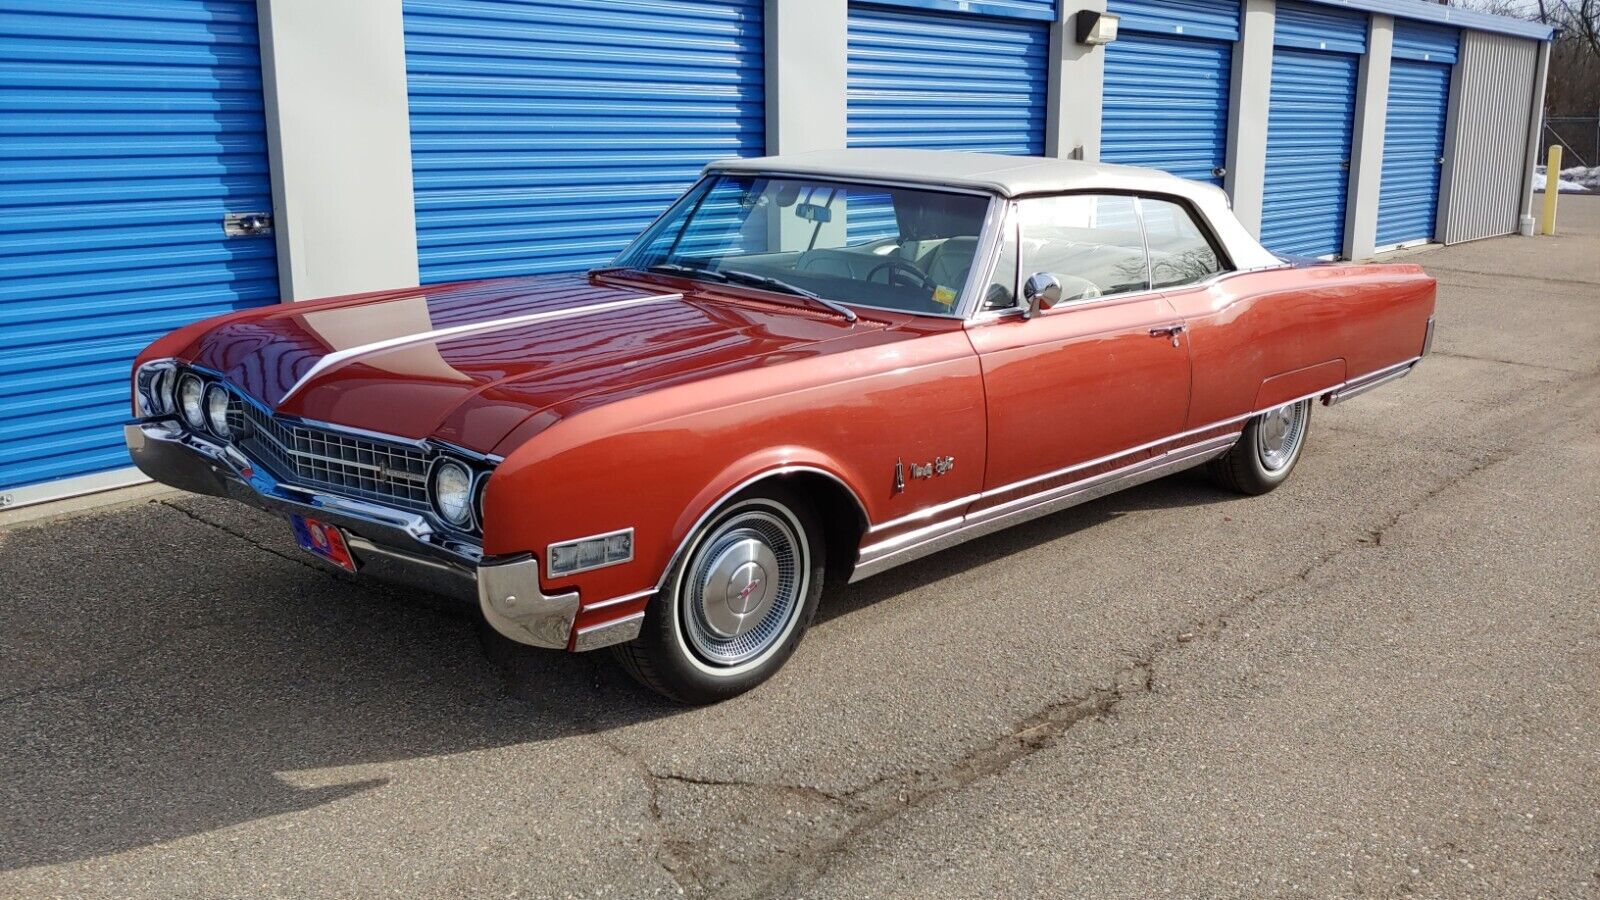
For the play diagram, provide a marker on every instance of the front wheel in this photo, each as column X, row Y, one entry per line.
column 737, row 603
column 1267, row 450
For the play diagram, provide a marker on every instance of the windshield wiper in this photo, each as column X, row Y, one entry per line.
column 778, row 284
column 686, row 271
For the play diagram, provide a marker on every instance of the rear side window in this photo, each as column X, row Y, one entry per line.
column 1090, row 242
column 1180, row 251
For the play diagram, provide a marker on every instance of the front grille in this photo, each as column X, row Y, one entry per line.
column 389, row 473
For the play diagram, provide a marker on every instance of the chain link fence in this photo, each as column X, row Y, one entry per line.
column 1578, row 136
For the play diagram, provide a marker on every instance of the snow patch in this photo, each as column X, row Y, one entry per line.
column 1576, row 180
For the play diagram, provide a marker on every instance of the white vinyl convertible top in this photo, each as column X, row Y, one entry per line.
column 1013, row 176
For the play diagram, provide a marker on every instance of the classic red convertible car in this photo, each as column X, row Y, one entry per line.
column 808, row 370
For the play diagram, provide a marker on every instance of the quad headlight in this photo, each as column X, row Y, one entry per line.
column 191, row 400
column 217, row 411
column 451, row 490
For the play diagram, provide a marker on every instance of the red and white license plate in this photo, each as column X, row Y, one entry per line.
column 324, row 540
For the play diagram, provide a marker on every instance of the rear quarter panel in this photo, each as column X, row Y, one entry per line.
column 1266, row 337
column 656, row 457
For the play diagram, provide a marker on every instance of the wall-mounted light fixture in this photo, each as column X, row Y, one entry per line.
column 1096, row 28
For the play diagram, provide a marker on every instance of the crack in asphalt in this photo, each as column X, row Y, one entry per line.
column 1509, row 362
column 797, row 789
column 658, row 853
column 1519, row 278
column 685, row 860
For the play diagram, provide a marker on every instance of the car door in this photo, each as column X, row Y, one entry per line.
column 1105, row 371
column 1226, row 351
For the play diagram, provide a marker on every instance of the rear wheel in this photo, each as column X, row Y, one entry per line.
column 1267, row 450
column 736, row 605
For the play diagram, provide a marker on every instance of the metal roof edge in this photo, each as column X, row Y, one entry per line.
column 1448, row 15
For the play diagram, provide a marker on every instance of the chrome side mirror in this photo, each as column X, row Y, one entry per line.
column 1042, row 290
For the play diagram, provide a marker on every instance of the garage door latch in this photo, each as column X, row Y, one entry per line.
column 247, row 224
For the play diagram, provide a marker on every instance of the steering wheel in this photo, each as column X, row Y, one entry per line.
column 897, row 267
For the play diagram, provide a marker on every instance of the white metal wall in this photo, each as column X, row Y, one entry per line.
column 1486, row 151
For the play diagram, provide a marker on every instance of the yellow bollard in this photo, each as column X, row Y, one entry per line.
column 1552, row 190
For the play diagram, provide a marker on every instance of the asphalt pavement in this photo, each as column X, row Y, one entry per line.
column 1381, row 680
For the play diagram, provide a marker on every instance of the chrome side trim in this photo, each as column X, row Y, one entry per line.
column 1111, row 457
column 617, row 631
column 880, row 557
column 618, row 601
column 340, row 356
column 1427, row 338
column 927, row 512
column 729, row 494
column 1357, row 387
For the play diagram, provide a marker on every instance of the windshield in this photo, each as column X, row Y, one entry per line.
column 894, row 248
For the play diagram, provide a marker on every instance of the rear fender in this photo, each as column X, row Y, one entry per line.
column 1290, row 386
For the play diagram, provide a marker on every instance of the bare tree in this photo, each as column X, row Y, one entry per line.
column 1574, row 83
column 1581, row 17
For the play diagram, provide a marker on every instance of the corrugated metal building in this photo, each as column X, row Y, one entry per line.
column 168, row 160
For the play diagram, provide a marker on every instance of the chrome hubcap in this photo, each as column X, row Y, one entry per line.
column 1279, row 434
column 739, row 588
column 742, row 588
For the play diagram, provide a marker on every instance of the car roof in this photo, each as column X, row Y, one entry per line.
column 1008, row 176
column 1013, row 176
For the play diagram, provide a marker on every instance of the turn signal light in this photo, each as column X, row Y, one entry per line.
column 588, row 553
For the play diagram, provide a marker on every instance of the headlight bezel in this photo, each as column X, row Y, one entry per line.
column 480, row 489
column 469, row 481
column 197, row 422
column 154, row 388
column 219, row 428
column 164, row 391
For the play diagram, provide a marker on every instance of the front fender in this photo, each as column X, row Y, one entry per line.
column 656, row 464
column 534, row 500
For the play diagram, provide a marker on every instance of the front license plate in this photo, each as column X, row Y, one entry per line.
column 324, row 540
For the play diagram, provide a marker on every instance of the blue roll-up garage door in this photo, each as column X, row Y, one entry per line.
column 127, row 132
column 1315, row 64
column 1413, row 135
column 919, row 78
column 1167, row 81
column 545, row 134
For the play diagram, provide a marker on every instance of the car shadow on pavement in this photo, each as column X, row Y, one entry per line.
column 160, row 678
column 164, row 675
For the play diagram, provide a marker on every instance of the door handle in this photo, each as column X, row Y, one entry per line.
column 1170, row 331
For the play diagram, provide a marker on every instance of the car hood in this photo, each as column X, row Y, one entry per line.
column 468, row 363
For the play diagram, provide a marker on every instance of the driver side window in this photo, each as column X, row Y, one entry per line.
column 1090, row 242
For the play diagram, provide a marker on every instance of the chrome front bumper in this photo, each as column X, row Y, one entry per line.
column 390, row 544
